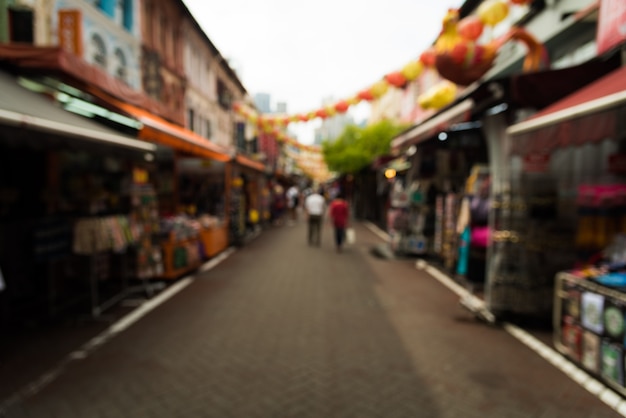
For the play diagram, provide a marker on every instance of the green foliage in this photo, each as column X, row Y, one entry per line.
column 356, row 147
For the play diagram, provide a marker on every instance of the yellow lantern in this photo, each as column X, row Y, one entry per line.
column 438, row 96
column 492, row 12
column 412, row 70
column 379, row 88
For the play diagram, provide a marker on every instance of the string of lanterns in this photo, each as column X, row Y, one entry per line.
column 456, row 56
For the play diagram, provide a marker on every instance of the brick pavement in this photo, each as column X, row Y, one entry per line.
column 281, row 329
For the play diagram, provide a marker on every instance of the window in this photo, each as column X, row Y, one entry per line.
column 21, row 25
column 191, row 115
column 224, row 97
column 99, row 54
column 208, row 128
column 121, row 71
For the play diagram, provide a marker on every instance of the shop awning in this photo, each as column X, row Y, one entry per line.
column 156, row 129
column 25, row 109
column 587, row 115
column 459, row 112
column 250, row 163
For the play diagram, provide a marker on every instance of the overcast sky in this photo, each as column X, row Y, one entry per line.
column 301, row 52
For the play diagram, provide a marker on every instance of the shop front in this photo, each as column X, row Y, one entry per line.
column 250, row 197
column 568, row 182
column 193, row 188
column 77, row 210
column 441, row 153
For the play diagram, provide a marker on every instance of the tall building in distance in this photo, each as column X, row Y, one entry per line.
column 262, row 102
column 332, row 127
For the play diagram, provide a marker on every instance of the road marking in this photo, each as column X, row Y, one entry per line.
column 570, row 369
column 122, row 324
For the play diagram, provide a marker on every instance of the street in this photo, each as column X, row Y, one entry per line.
column 282, row 329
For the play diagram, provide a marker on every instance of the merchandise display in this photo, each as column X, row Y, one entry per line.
column 590, row 315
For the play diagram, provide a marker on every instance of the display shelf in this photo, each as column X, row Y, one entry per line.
column 589, row 327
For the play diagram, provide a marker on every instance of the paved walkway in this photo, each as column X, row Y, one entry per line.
column 281, row 329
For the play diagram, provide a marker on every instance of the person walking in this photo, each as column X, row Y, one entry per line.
column 338, row 212
column 314, row 206
column 293, row 195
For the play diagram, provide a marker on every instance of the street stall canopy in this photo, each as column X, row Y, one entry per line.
column 459, row 112
column 250, row 163
column 156, row 129
column 588, row 115
column 22, row 108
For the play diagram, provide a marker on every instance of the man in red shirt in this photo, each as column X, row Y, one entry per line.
column 339, row 212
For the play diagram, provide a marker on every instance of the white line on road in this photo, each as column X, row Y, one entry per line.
column 573, row 371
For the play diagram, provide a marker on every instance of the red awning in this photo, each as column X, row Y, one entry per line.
column 587, row 115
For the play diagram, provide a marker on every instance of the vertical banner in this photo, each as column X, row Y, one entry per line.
column 70, row 31
column 611, row 24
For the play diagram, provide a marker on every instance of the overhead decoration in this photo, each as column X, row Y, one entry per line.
column 462, row 60
column 438, row 95
column 457, row 56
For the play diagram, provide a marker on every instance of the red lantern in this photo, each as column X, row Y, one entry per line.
column 396, row 79
column 236, row 107
column 321, row 113
column 520, row 2
column 471, row 27
column 341, row 106
column 366, row 95
column 428, row 57
column 303, row 118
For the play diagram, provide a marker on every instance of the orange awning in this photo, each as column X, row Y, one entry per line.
column 159, row 130
column 250, row 163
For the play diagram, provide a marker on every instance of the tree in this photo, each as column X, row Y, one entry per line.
column 357, row 147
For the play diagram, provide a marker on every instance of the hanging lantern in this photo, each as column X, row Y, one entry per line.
column 321, row 113
column 379, row 88
column 237, row 107
column 396, row 79
column 342, row 106
column 438, row 96
column 492, row 12
column 471, row 27
column 428, row 57
column 412, row 70
column 354, row 100
column 521, row 2
column 366, row 95
column 303, row 118
column 330, row 111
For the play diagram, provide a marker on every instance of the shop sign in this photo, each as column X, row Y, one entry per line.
column 617, row 163
column 536, row 162
column 70, row 31
column 611, row 24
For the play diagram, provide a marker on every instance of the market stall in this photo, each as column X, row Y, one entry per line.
column 198, row 228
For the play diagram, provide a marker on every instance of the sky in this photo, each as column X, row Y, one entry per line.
column 303, row 52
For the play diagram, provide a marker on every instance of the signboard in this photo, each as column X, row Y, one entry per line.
column 611, row 24
column 70, row 31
